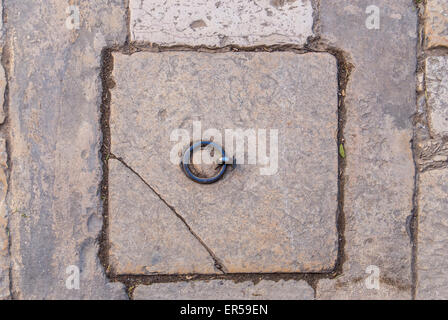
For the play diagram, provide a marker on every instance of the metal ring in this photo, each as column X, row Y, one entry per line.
column 187, row 157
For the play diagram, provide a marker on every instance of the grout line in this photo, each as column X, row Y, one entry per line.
column 422, row 118
column 413, row 227
column 103, row 239
column 413, row 223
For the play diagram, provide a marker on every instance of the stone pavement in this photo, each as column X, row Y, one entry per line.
column 344, row 195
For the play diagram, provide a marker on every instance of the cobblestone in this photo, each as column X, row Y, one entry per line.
column 432, row 263
column 437, row 93
column 436, row 23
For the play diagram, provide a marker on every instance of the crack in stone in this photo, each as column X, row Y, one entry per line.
column 422, row 150
column 412, row 222
column 218, row 263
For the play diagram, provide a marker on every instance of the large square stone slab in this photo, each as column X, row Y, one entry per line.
column 285, row 221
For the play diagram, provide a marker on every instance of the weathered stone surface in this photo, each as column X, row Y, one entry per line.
column 2, row 91
column 379, row 185
column 55, row 95
column 2, row 70
column 436, row 23
column 226, row 290
column 345, row 288
column 220, row 23
column 432, row 154
column 283, row 222
column 437, row 93
column 168, row 244
column 432, row 258
column 4, row 241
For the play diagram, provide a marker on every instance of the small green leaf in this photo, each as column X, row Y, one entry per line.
column 341, row 150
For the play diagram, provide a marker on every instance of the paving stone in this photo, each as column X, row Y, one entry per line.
column 55, row 94
column 283, row 222
column 220, row 23
column 437, row 93
column 2, row 70
column 379, row 185
column 226, row 290
column 168, row 244
column 2, row 92
column 436, row 23
column 432, row 258
column 4, row 241
column 348, row 288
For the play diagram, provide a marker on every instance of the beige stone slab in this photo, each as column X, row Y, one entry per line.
column 356, row 289
column 284, row 222
column 226, row 290
column 432, row 257
column 437, row 93
column 54, row 122
column 220, row 23
column 4, row 233
column 436, row 23
column 4, row 241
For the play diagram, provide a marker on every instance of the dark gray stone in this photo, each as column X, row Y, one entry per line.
column 55, row 96
column 380, row 102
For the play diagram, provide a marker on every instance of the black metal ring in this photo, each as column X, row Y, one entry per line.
column 187, row 157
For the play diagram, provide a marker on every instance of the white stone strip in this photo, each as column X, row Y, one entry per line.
column 220, row 23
